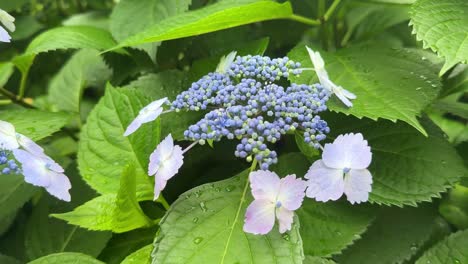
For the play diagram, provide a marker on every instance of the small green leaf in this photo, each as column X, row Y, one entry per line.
column 6, row 70
column 317, row 260
column 407, row 168
column 103, row 151
column 450, row 250
column 396, row 236
column 141, row 256
column 442, row 25
column 119, row 213
column 218, row 16
column 62, row 258
column 85, row 68
column 130, row 17
column 35, row 124
column 454, row 207
column 310, row 152
column 205, row 225
column 399, row 89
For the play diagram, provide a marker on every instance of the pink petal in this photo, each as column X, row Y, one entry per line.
column 265, row 185
column 324, row 183
column 347, row 151
column 357, row 185
column 285, row 219
column 8, row 139
column 60, row 186
column 259, row 217
column 292, row 192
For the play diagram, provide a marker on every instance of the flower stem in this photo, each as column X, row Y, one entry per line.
column 331, row 9
column 163, row 201
column 305, row 20
column 15, row 99
column 189, row 147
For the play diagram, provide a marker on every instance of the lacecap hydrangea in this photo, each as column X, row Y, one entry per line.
column 248, row 101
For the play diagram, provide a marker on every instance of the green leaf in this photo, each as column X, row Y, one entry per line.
column 454, row 207
column 96, row 19
column 14, row 192
column 205, row 225
column 73, row 37
column 222, row 15
column 8, row 260
column 330, row 227
column 12, row 5
column 35, row 124
column 85, row 68
column 130, row 17
column 62, row 258
column 456, row 131
column 141, row 256
column 46, row 235
column 317, row 260
column 119, row 213
column 407, row 168
column 398, row 89
column 103, row 150
column 396, row 236
column 310, row 152
column 442, row 25
column 6, row 70
column 122, row 245
column 450, row 250
column 457, row 81
column 26, row 27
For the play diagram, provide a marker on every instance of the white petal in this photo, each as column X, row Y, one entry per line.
column 347, row 151
column 265, row 185
column 358, row 185
column 343, row 98
column 159, row 185
column 59, row 186
column 316, row 59
column 29, row 145
column 324, row 183
column 292, row 192
column 171, row 166
column 147, row 114
column 162, row 152
column 225, row 62
column 4, row 36
column 259, row 217
column 7, row 20
column 285, row 219
column 8, row 139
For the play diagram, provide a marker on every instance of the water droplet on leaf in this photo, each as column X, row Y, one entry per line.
column 203, row 207
column 197, row 240
column 195, row 219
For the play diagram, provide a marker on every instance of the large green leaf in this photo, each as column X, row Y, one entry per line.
column 442, row 25
column 85, row 68
column 119, row 213
column 14, row 192
column 62, row 258
column 205, row 226
column 317, row 260
column 35, row 124
column 73, row 37
column 141, row 256
column 396, row 236
column 130, row 17
column 450, row 250
column 46, row 235
column 122, row 245
column 454, row 207
column 329, row 227
column 406, row 167
column 398, row 89
column 104, row 151
column 222, row 15
column 8, row 260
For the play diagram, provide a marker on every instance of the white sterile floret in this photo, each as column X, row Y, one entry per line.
column 319, row 66
column 147, row 114
column 342, row 169
column 226, row 62
column 8, row 139
column 165, row 162
column 7, row 20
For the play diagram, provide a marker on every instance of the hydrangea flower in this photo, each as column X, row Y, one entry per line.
column 342, row 169
column 274, row 197
column 319, row 66
column 8, row 139
column 147, row 114
column 41, row 170
column 165, row 162
column 7, row 20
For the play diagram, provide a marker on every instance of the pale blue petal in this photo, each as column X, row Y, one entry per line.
column 162, row 152
column 324, row 183
column 149, row 113
column 347, row 151
column 8, row 139
column 358, row 185
column 29, row 145
column 59, row 186
column 4, row 36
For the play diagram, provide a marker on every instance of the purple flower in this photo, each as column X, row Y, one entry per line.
column 8, row 139
column 147, row 114
column 40, row 170
column 165, row 162
column 342, row 169
column 319, row 66
column 273, row 197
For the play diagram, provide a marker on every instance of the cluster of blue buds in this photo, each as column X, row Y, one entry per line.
column 247, row 102
column 7, row 164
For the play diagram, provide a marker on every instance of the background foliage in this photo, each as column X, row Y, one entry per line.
column 77, row 73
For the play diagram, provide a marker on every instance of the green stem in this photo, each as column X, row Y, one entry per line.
column 163, row 201
column 5, row 102
column 22, row 89
column 15, row 99
column 305, row 20
column 330, row 10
